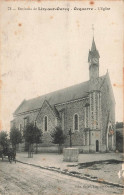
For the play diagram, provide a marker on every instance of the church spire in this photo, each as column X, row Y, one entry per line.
column 93, row 48
column 93, row 60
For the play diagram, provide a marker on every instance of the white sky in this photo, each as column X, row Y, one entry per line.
column 43, row 51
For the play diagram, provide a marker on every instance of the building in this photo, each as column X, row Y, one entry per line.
column 88, row 109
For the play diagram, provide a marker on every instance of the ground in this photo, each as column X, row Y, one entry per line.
column 108, row 171
column 22, row 179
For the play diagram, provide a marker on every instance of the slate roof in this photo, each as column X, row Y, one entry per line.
column 61, row 96
column 93, row 48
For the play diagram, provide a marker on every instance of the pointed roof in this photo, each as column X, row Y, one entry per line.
column 93, row 48
column 53, row 109
column 93, row 52
column 57, row 97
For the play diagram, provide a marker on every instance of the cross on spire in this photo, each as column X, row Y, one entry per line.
column 93, row 29
column 93, row 48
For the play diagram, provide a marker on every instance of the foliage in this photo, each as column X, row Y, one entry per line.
column 38, row 135
column 58, row 136
column 15, row 136
column 32, row 134
column 29, row 133
column 119, row 141
column 119, row 125
column 3, row 139
column 119, row 136
column 37, row 138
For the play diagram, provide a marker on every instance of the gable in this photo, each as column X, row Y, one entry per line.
column 47, row 109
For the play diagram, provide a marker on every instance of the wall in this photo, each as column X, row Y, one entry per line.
column 70, row 109
column 108, row 111
column 52, row 123
column 20, row 118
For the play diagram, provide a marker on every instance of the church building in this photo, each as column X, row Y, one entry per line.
column 88, row 109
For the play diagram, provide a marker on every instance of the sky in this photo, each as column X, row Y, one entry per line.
column 43, row 51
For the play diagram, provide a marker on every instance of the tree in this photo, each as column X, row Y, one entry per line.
column 37, row 137
column 119, row 141
column 58, row 137
column 119, row 125
column 15, row 136
column 32, row 135
column 3, row 139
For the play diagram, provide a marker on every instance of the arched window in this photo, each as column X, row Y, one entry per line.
column 25, row 122
column 35, row 123
column 45, row 123
column 76, row 122
column 20, row 127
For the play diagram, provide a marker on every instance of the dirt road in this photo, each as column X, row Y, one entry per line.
column 24, row 179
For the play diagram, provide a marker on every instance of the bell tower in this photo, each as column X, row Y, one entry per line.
column 93, row 60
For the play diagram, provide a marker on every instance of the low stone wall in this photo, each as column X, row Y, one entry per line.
column 85, row 149
column 82, row 149
column 70, row 154
column 52, row 149
column 103, row 148
column 20, row 147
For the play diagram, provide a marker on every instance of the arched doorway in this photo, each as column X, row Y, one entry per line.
column 97, row 146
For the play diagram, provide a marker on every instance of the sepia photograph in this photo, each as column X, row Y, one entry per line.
column 61, row 97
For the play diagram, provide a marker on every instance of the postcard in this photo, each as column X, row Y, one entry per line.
column 61, row 97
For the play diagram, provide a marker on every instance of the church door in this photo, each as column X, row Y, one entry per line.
column 97, row 146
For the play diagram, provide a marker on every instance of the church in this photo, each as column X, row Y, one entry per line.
column 88, row 109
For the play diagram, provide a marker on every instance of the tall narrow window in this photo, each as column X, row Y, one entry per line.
column 75, row 122
column 25, row 122
column 86, row 115
column 45, row 123
column 20, row 127
column 35, row 123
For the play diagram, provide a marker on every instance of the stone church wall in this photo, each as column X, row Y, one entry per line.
column 108, row 111
column 46, row 111
column 31, row 116
column 70, row 109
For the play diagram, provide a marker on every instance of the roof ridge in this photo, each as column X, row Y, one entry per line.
column 57, row 90
column 62, row 89
column 55, row 97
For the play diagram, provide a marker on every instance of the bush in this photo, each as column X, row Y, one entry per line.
column 119, row 141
